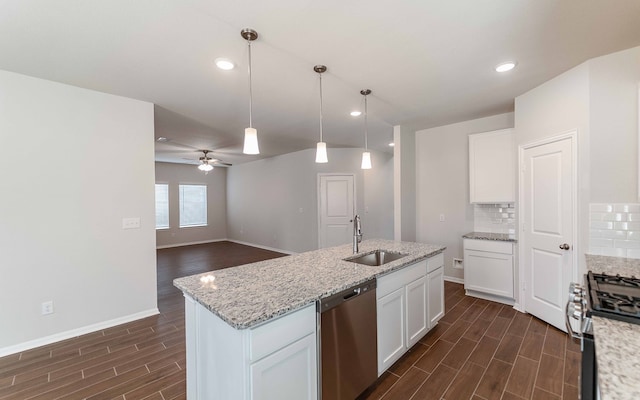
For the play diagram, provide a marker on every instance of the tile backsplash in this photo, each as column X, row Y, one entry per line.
column 494, row 218
column 614, row 229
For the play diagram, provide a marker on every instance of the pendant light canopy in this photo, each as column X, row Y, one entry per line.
column 250, row 134
column 321, row 149
column 366, row 155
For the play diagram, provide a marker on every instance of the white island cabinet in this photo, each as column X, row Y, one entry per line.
column 275, row 360
column 410, row 301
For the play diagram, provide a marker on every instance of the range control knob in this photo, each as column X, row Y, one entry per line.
column 575, row 311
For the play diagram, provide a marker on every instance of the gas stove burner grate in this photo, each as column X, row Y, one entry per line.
column 621, row 304
column 617, row 280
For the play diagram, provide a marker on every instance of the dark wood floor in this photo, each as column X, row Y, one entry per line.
column 480, row 350
column 484, row 350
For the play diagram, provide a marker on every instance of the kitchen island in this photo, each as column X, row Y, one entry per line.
column 240, row 320
column 617, row 343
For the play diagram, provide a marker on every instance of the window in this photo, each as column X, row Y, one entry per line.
column 193, row 205
column 162, row 206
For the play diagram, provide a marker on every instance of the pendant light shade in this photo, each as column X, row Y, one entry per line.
column 321, row 153
column 251, row 141
column 366, row 155
column 205, row 167
column 366, row 160
column 321, row 148
column 250, row 134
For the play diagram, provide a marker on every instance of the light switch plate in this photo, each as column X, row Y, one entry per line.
column 131, row 223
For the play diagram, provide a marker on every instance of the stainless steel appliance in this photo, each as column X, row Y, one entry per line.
column 348, row 342
column 606, row 296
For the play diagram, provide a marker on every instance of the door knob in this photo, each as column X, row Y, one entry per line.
column 564, row 246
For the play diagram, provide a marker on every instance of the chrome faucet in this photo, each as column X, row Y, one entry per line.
column 357, row 233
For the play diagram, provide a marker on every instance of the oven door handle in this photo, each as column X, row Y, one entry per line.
column 568, row 323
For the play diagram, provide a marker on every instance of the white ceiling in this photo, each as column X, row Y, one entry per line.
column 428, row 62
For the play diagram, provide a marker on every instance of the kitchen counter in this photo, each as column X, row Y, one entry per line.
column 617, row 342
column 250, row 294
column 501, row 237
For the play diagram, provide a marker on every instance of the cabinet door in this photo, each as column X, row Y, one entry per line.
column 391, row 328
column 417, row 322
column 290, row 373
column 492, row 167
column 489, row 273
column 435, row 289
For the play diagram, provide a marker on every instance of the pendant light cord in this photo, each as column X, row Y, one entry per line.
column 320, row 74
column 250, row 88
column 365, row 124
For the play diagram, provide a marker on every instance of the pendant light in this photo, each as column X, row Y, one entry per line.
column 321, row 149
column 250, row 134
column 366, row 155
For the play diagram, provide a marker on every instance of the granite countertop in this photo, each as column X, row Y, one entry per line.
column 618, row 370
column 250, row 294
column 501, row 237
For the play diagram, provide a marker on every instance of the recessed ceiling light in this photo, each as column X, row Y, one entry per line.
column 162, row 139
column 391, row 144
column 224, row 63
column 356, row 113
column 506, row 66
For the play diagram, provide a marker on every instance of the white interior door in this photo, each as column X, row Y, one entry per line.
column 548, row 227
column 336, row 203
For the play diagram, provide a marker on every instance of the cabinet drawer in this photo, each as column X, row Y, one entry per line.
column 435, row 262
column 275, row 335
column 398, row 278
column 493, row 246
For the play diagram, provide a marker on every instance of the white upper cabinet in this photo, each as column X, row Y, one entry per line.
column 492, row 167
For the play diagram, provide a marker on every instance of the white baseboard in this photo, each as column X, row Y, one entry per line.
column 31, row 344
column 454, row 279
column 168, row 246
column 262, row 247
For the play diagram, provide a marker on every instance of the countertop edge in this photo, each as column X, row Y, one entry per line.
column 299, row 303
column 496, row 237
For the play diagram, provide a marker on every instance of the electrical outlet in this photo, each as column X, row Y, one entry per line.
column 47, row 307
column 441, row 217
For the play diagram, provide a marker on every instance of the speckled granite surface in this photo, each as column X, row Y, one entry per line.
column 247, row 295
column 613, row 265
column 501, row 237
column 617, row 348
column 617, row 343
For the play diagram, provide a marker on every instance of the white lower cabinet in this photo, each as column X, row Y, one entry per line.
column 276, row 360
column 391, row 328
column 285, row 374
column 417, row 321
column 405, row 303
column 488, row 269
column 435, row 288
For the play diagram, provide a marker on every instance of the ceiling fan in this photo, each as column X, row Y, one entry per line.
column 207, row 163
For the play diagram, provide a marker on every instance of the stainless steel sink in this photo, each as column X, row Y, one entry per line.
column 377, row 258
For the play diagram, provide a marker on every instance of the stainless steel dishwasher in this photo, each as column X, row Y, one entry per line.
column 348, row 342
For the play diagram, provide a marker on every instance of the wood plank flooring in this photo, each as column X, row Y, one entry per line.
column 484, row 350
column 480, row 350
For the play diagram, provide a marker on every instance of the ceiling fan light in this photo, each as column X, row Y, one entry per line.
column 205, row 167
column 366, row 160
column 251, row 141
column 321, row 153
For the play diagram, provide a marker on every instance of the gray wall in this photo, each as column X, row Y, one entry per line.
column 600, row 99
column 273, row 202
column 404, row 184
column 442, row 181
column 74, row 163
column 216, row 181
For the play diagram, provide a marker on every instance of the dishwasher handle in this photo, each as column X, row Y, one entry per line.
column 336, row 299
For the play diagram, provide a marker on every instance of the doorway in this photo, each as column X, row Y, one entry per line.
column 548, row 245
column 336, row 208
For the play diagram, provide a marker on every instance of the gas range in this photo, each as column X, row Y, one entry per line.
column 614, row 297
column 607, row 296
